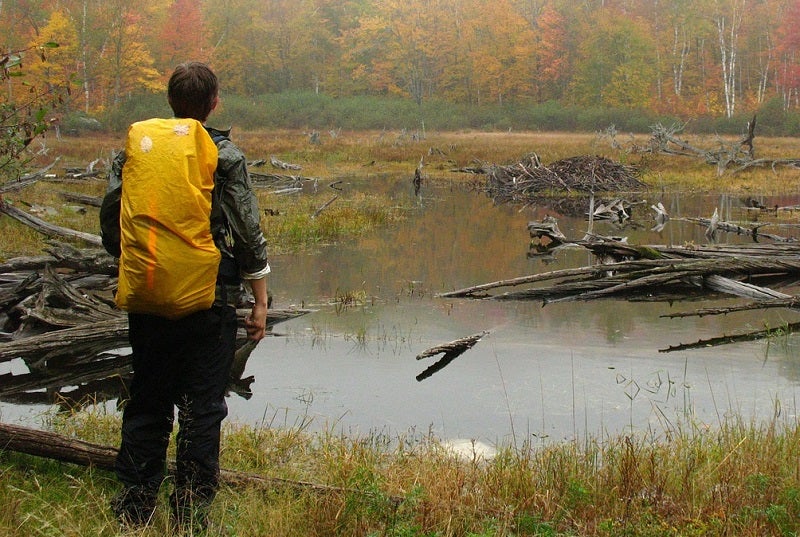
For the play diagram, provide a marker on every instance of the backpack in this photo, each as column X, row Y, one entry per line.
column 169, row 262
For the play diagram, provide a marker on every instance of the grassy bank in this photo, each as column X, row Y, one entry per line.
column 739, row 479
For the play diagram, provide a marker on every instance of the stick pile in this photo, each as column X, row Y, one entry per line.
column 527, row 179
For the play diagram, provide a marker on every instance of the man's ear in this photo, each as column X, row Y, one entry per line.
column 215, row 102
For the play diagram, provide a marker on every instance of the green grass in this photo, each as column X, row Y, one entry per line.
column 301, row 222
column 739, row 479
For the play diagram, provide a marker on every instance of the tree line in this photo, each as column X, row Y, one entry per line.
column 689, row 58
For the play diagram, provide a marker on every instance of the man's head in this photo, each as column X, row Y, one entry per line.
column 193, row 91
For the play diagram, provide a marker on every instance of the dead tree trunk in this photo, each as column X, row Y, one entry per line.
column 47, row 228
column 71, row 450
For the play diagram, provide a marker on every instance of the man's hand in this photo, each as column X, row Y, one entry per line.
column 256, row 322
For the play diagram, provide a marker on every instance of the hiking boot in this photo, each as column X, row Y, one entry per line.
column 189, row 513
column 135, row 506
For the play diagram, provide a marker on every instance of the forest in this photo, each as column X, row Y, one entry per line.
column 685, row 58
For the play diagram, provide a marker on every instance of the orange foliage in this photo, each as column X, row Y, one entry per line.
column 660, row 55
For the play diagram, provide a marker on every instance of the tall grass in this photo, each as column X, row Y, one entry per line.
column 739, row 479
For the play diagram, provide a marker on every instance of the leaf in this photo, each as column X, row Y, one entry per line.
column 12, row 60
column 51, row 44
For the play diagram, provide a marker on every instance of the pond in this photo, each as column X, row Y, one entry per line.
column 562, row 371
column 565, row 371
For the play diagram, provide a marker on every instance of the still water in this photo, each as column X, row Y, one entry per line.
column 565, row 371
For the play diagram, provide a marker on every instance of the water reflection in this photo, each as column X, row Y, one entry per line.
column 541, row 373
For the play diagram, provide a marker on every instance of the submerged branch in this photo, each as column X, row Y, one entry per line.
column 451, row 351
column 723, row 340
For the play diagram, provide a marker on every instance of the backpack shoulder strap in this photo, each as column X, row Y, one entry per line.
column 218, row 135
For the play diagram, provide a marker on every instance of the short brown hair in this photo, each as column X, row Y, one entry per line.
column 191, row 91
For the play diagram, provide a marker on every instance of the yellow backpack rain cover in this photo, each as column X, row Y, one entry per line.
column 169, row 262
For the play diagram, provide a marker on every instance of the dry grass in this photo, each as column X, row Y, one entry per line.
column 372, row 155
column 738, row 479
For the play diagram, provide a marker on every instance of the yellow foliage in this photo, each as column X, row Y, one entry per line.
column 58, row 67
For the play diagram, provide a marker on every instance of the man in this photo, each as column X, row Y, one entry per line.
column 180, row 208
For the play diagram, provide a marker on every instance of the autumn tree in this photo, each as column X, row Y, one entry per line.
column 182, row 37
column 728, row 17
column 126, row 65
column 788, row 48
column 553, row 53
column 56, row 70
column 688, row 57
column 23, row 117
column 238, row 39
column 616, row 63
column 391, row 48
column 338, row 19
column 502, row 52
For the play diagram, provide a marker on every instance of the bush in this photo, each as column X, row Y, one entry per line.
column 76, row 123
column 312, row 111
column 136, row 108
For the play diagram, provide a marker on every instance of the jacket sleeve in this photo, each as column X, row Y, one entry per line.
column 110, row 208
column 240, row 207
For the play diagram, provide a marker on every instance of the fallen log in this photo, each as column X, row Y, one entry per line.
column 83, row 343
column 102, row 367
column 62, row 305
column 627, row 279
column 451, row 351
column 65, row 256
column 79, row 344
column 72, row 450
column 46, row 228
column 283, row 165
column 730, row 227
column 92, row 201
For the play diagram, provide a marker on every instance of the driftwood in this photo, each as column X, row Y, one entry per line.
column 738, row 155
column 791, row 302
column 38, row 174
column 60, row 304
column 324, row 206
column 92, row 201
column 260, row 179
column 82, row 343
column 72, row 450
column 12, row 186
column 63, row 256
column 47, row 228
column 283, row 165
column 689, row 270
column 103, row 366
column 752, row 230
column 450, row 352
column 82, row 365
column 653, row 272
column 62, row 323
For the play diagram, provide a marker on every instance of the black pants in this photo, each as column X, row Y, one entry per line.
column 185, row 364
